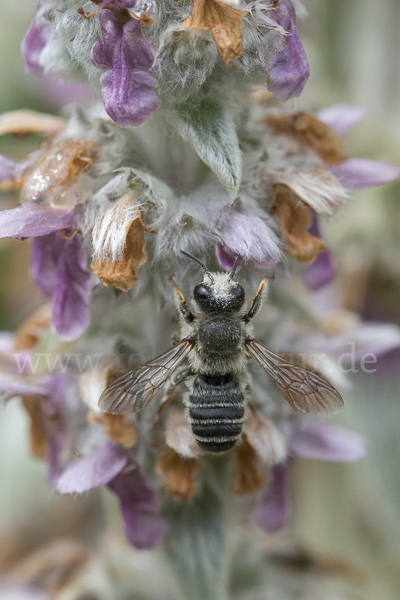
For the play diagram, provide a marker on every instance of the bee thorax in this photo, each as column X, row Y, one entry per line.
column 219, row 335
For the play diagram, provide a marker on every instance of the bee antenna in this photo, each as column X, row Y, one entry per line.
column 235, row 266
column 203, row 266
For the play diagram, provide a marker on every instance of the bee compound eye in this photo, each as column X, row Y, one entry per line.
column 238, row 293
column 201, row 292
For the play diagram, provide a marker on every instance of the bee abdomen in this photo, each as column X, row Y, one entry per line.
column 216, row 412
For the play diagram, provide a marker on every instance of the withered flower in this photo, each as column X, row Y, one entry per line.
column 294, row 220
column 119, row 244
column 310, row 132
column 224, row 23
column 179, row 474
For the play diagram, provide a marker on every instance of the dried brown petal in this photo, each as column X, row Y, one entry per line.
column 53, row 566
column 224, row 23
column 31, row 331
column 143, row 18
column 127, row 217
column 58, row 165
column 23, row 122
column 179, row 474
column 294, row 219
column 121, row 273
column 85, row 14
column 318, row 188
column 261, row 94
column 117, row 427
column 249, row 478
column 179, row 436
column 265, row 439
column 11, row 184
column 301, row 560
column 38, row 444
column 310, row 132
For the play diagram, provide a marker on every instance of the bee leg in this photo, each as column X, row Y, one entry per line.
column 171, row 392
column 181, row 302
column 256, row 303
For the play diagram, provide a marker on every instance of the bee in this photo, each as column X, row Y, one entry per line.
column 217, row 341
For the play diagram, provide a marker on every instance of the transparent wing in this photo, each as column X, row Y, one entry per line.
column 133, row 390
column 305, row 390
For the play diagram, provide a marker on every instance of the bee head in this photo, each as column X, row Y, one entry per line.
column 218, row 291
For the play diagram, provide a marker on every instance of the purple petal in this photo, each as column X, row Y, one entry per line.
column 139, row 505
column 129, row 90
column 11, row 592
column 358, row 173
column 274, row 510
column 122, row 46
column 71, row 312
column 58, row 268
column 322, row 271
column 32, row 45
column 362, row 343
column 226, row 258
column 327, row 442
column 31, row 220
column 117, row 3
column 60, row 388
column 248, row 237
column 342, row 117
column 10, row 168
column 58, row 93
column 92, row 471
column 288, row 68
column 14, row 385
column 129, row 99
column 45, row 254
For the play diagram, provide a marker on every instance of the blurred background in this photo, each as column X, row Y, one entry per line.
column 350, row 512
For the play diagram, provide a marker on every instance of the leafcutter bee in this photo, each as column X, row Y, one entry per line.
column 217, row 342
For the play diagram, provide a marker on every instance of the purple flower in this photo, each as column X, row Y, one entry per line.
column 33, row 43
column 288, row 68
column 58, row 267
column 17, row 592
column 248, row 237
column 12, row 385
column 10, row 169
column 54, row 424
column 144, row 528
column 320, row 441
column 31, row 219
column 93, row 471
column 355, row 344
column 358, row 173
column 322, row 271
column 52, row 87
column 342, row 117
column 129, row 90
column 317, row 441
column 115, row 3
column 355, row 173
column 274, row 509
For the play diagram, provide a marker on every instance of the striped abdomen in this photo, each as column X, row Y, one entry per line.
column 216, row 412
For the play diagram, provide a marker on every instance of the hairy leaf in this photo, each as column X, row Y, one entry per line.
column 211, row 131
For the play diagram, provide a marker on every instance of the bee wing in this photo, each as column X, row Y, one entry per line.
column 133, row 390
column 305, row 390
